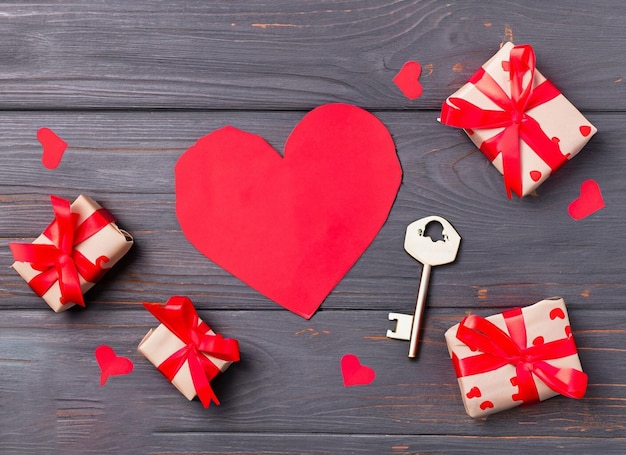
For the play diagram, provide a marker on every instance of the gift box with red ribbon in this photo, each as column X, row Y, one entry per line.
column 518, row 119
column 185, row 349
column 520, row 356
column 72, row 254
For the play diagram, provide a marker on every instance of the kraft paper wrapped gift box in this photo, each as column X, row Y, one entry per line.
column 521, row 356
column 518, row 119
column 72, row 254
column 185, row 349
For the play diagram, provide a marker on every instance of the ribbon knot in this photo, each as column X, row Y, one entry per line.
column 499, row 349
column 513, row 117
column 61, row 261
column 180, row 317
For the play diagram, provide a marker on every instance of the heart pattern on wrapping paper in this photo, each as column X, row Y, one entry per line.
column 474, row 392
column 535, row 175
column 486, row 405
column 585, row 130
column 557, row 313
column 539, row 340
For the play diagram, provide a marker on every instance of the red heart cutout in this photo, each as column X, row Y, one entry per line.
column 568, row 331
column 557, row 313
column 111, row 364
column 538, row 340
column 53, row 147
column 407, row 80
column 590, row 200
column 354, row 373
column 290, row 227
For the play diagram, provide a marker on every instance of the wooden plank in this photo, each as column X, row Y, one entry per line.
column 286, row 55
column 513, row 252
column 288, row 383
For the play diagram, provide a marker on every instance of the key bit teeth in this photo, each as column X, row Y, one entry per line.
column 403, row 326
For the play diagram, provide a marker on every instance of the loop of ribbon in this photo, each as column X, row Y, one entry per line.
column 499, row 349
column 517, row 124
column 61, row 261
column 180, row 317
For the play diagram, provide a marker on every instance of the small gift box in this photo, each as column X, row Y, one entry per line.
column 72, row 254
column 518, row 119
column 186, row 350
column 521, row 356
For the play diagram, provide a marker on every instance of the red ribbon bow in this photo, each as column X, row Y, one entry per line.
column 517, row 124
column 61, row 261
column 499, row 349
column 180, row 317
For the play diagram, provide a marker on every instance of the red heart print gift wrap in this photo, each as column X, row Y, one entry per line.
column 72, row 254
column 185, row 349
column 520, row 356
column 518, row 119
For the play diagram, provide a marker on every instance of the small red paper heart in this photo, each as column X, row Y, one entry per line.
column 354, row 373
column 585, row 130
column 407, row 80
column 535, row 175
column 111, row 364
column 486, row 405
column 474, row 393
column 590, row 201
column 568, row 331
column 557, row 313
column 538, row 340
column 53, row 147
column 290, row 227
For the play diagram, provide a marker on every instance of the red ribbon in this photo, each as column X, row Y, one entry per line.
column 61, row 261
column 499, row 349
column 180, row 317
column 517, row 124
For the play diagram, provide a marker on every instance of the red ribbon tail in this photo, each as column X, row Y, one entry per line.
column 566, row 381
column 201, row 382
column 69, row 284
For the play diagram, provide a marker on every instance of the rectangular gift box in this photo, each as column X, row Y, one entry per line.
column 160, row 343
column 559, row 121
column 110, row 242
column 486, row 387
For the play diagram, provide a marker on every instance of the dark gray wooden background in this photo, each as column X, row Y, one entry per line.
column 132, row 85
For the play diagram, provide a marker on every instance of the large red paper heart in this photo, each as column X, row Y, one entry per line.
column 53, row 147
column 590, row 200
column 354, row 373
column 111, row 364
column 290, row 227
column 407, row 80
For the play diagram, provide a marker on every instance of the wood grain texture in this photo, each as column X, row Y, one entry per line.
column 288, row 382
column 293, row 55
column 131, row 85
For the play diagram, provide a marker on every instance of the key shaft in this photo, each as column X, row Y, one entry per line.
column 420, row 305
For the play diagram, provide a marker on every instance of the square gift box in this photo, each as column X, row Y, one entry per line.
column 518, row 119
column 520, row 356
column 72, row 254
column 185, row 349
